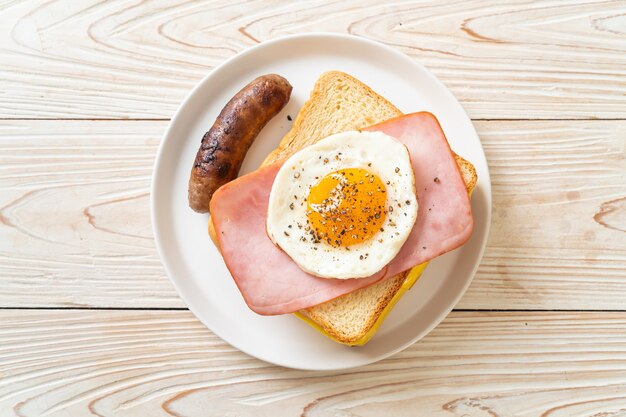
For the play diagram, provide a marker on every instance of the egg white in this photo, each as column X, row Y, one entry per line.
column 286, row 218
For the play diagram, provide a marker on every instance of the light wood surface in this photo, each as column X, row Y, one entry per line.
column 480, row 364
column 86, row 91
column 128, row 59
column 76, row 224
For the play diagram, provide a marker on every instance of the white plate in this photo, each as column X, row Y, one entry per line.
column 197, row 269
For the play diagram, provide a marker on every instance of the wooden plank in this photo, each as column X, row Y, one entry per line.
column 75, row 223
column 558, row 231
column 75, row 215
column 165, row 363
column 124, row 59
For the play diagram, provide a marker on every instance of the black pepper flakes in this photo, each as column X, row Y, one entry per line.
column 286, row 234
column 291, row 206
column 437, row 180
column 397, row 170
column 289, row 117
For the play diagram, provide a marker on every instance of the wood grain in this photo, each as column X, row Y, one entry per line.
column 103, row 363
column 75, row 215
column 75, row 224
column 128, row 59
column 558, row 237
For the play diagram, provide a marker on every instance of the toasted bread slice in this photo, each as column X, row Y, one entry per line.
column 340, row 102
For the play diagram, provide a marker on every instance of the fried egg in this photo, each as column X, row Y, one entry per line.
column 343, row 207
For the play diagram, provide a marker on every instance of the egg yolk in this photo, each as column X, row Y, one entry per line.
column 346, row 207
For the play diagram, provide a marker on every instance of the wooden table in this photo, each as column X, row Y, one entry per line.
column 90, row 324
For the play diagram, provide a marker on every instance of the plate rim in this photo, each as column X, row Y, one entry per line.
column 157, row 234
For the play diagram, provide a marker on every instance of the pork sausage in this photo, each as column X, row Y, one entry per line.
column 225, row 145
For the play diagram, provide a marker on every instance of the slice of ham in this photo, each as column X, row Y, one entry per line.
column 271, row 283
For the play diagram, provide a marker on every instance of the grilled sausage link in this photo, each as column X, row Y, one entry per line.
column 225, row 145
